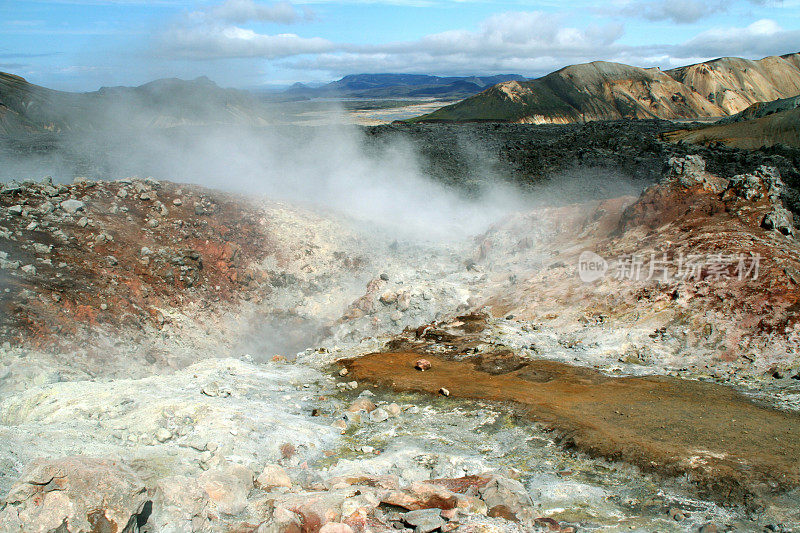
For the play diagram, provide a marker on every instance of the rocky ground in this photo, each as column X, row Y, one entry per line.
column 180, row 359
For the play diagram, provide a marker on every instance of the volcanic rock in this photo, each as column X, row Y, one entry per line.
column 76, row 494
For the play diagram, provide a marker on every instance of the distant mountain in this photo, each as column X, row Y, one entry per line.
column 29, row 108
column 401, row 86
column 603, row 91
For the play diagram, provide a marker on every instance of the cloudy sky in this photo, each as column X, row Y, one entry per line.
column 86, row 44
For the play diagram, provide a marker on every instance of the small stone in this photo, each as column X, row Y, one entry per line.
column 29, row 269
column 422, row 365
column 112, row 260
column 340, row 425
column 153, row 223
column 444, row 392
column 163, row 435
column 83, row 222
column 424, row 520
column 72, row 206
column 15, row 210
column 393, row 409
column 353, row 385
column 449, row 514
column 273, row 476
column 177, row 201
column 353, row 418
column 708, row 528
column 676, row 514
column 384, row 276
column 343, row 372
column 388, row 297
column 361, row 404
column 227, row 487
column 379, row 415
column 103, row 306
column 367, row 449
column 505, row 512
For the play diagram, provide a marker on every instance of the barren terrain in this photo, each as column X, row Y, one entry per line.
column 177, row 358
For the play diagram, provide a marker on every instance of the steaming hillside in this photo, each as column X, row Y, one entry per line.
column 603, row 91
column 29, row 108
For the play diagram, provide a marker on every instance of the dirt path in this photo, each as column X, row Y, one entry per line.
column 735, row 450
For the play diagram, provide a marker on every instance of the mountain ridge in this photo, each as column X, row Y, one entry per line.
column 603, row 90
column 393, row 85
column 30, row 108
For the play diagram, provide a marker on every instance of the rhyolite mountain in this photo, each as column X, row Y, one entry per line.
column 606, row 91
column 29, row 108
column 402, row 86
column 760, row 125
column 763, row 109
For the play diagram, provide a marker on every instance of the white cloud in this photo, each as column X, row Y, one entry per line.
column 215, row 42
column 531, row 43
column 677, row 11
column 761, row 38
column 510, row 37
column 241, row 11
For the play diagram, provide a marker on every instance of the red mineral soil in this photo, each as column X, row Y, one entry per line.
column 733, row 449
column 126, row 256
column 714, row 318
column 132, row 249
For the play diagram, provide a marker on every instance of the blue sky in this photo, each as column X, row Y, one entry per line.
column 86, row 44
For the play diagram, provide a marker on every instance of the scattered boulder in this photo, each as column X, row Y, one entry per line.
column 388, row 297
column 393, row 409
column 779, row 219
column 72, row 206
column 424, row 520
column 422, row 365
column 379, row 415
column 273, row 476
column 227, row 486
column 77, row 494
column 180, row 505
column 510, row 494
column 361, row 404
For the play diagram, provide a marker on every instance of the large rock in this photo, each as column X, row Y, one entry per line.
column 76, row 494
column 72, row 206
column 180, row 505
column 273, row 476
column 511, row 494
column 779, row 219
column 227, row 486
